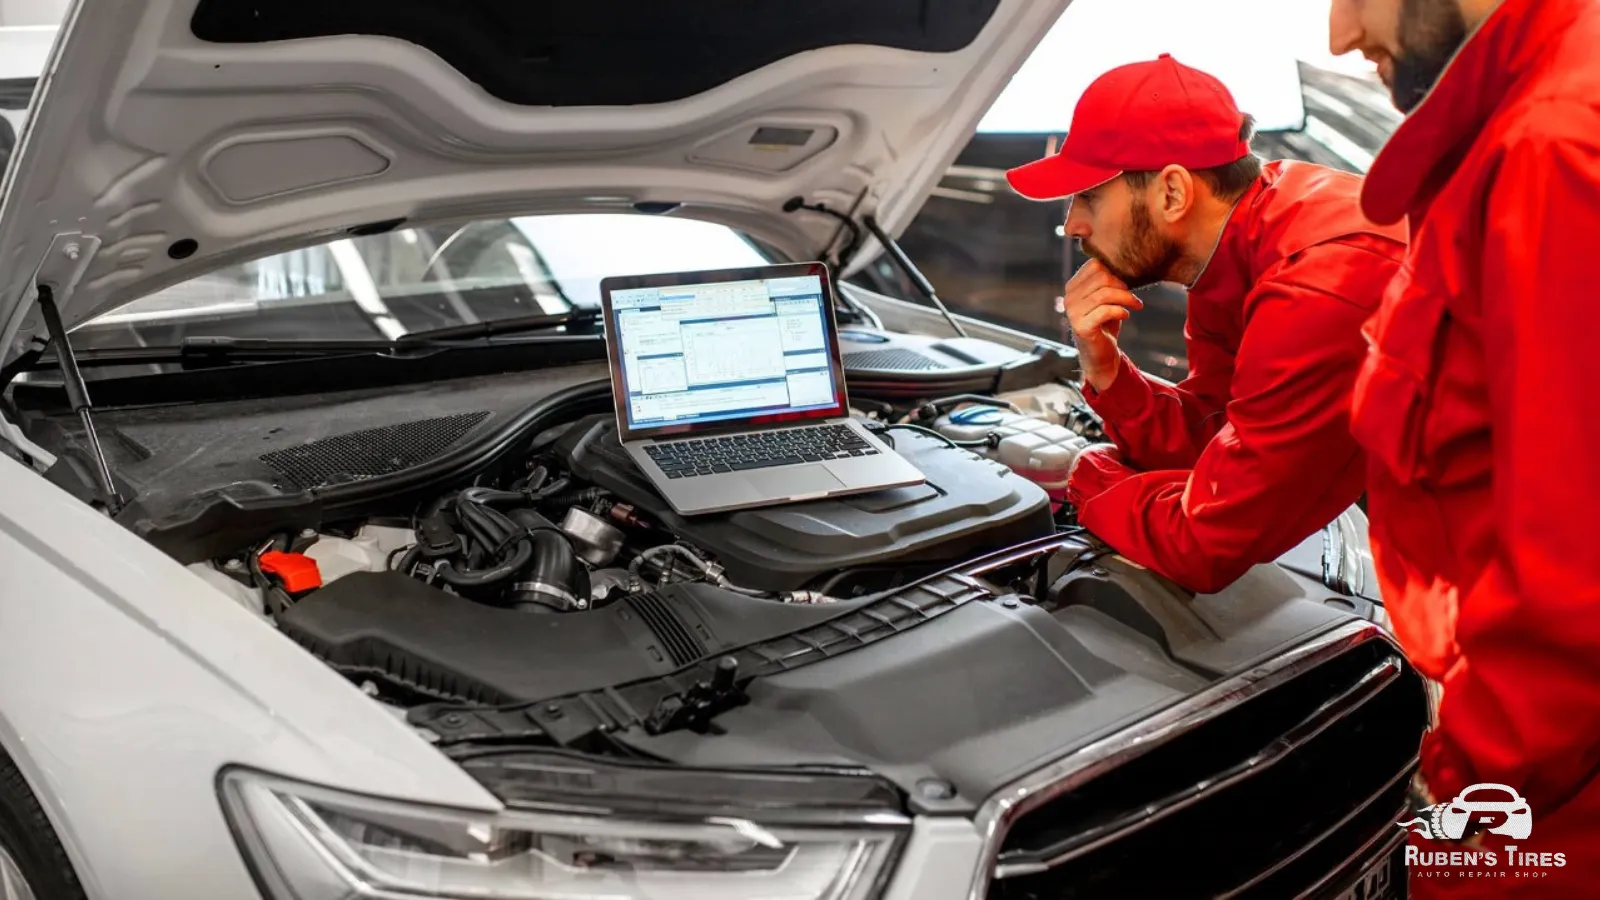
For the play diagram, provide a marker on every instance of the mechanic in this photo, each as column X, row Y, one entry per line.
column 1252, row 452
column 1476, row 409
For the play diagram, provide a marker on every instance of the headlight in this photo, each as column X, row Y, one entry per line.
column 309, row 843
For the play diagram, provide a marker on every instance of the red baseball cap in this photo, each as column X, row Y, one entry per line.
column 1140, row 117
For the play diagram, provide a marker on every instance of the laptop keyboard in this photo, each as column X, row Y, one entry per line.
column 758, row 450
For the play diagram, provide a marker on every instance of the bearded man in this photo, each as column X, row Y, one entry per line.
column 1478, row 414
column 1252, row 452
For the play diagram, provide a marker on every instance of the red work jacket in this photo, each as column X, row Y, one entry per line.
column 1479, row 407
column 1252, row 452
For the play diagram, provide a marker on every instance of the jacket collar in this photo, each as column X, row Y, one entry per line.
column 1231, row 248
column 1506, row 47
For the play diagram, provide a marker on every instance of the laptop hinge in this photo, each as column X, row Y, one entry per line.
column 78, row 396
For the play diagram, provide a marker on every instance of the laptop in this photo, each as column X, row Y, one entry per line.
column 730, row 391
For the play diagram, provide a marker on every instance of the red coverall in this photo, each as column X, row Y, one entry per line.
column 1479, row 408
column 1252, row 452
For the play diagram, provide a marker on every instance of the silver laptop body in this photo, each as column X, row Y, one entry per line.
column 730, row 390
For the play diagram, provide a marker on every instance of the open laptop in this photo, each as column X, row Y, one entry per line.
column 730, row 389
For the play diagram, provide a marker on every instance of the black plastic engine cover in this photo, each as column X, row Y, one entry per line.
column 967, row 506
column 393, row 628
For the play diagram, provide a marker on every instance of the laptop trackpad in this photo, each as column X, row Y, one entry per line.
column 795, row 481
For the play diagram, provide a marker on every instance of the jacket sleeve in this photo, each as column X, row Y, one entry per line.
column 1162, row 426
column 1523, row 701
column 1284, row 464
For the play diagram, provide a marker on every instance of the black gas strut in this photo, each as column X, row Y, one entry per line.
column 78, row 396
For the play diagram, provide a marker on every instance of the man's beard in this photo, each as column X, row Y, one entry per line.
column 1431, row 31
column 1146, row 256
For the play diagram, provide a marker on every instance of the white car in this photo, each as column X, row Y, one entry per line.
column 319, row 577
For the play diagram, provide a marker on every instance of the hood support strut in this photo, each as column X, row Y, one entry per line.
column 912, row 272
column 78, row 396
column 893, row 249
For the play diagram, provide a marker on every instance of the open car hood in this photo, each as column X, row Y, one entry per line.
column 173, row 137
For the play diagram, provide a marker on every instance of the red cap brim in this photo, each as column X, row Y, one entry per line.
column 1056, row 177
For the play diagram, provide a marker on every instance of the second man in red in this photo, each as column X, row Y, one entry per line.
column 1252, row 452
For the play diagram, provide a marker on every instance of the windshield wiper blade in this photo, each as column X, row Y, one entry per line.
column 200, row 349
column 222, row 348
column 294, row 347
column 272, row 348
column 581, row 315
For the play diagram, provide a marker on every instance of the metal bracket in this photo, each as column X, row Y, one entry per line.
column 62, row 267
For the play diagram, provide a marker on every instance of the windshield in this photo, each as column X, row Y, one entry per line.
column 419, row 279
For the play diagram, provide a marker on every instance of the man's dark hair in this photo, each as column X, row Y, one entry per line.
column 1228, row 182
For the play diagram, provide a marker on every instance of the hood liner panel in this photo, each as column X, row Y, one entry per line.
column 605, row 54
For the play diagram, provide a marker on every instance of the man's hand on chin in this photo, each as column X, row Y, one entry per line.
column 1097, row 303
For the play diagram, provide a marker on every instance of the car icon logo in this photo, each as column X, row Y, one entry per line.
column 1495, row 805
column 1495, row 808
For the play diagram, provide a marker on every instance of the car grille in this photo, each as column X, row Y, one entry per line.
column 1260, row 789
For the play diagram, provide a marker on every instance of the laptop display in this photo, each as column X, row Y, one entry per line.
column 711, row 352
column 745, row 364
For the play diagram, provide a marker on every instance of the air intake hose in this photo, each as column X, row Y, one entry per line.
column 554, row 579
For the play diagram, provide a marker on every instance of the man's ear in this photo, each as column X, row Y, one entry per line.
column 1176, row 194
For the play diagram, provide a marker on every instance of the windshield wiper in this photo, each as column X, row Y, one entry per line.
column 221, row 348
column 581, row 315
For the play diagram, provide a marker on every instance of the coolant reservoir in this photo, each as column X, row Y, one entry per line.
column 1050, row 401
column 1037, row 450
column 368, row 552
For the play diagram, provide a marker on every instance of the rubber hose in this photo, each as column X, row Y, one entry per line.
column 550, row 488
column 502, row 524
column 578, row 497
column 481, row 577
column 554, row 579
column 486, row 496
column 413, row 553
column 526, row 519
column 482, row 533
column 672, row 550
column 943, row 402
column 490, row 527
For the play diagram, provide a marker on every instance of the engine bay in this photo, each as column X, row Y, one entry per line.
column 555, row 566
column 480, row 557
column 553, row 580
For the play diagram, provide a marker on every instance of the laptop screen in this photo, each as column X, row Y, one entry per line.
column 695, row 354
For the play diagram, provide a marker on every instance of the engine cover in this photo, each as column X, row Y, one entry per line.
column 394, row 628
column 969, row 505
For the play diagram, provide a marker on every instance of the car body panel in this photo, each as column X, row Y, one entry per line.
column 127, row 683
